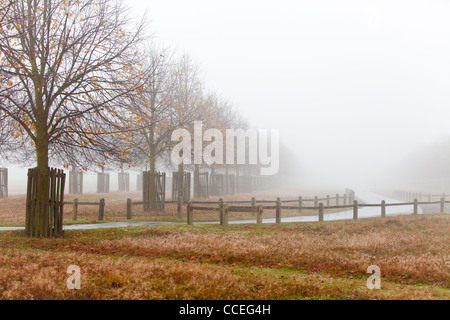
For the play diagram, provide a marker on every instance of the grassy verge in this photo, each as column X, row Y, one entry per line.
column 289, row 261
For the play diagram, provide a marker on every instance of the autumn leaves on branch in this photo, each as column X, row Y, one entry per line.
column 83, row 86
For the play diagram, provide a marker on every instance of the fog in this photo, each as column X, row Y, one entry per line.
column 356, row 88
column 353, row 86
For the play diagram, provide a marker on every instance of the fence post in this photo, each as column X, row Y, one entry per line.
column 442, row 205
column 259, row 212
column 224, row 214
column 316, row 202
column 383, row 209
column 180, row 207
column 300, row 204
column 328, row 201
column 416, row 207
column 337, row 199
column 75, row 209
column 101, row 210
column 321, row 212
column 345, row 199
column 278, row 212
column 129, row 209
column 221, row 204
column 253, row 206
column 190, row 213
column 355, row 210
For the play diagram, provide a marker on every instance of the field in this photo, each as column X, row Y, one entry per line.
column 288, row 261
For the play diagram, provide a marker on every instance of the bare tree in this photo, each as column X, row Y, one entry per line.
column 66, row 67
column 153, row 126
column 185, row 102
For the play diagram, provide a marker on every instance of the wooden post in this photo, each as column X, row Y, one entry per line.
column 101, row 210
column 328, row 201
column 259, row 212
column 75, row 209
column 316, row 202
column 355, row 210
column 337, row 199
column 221, row 203
column 383, row 209
column 253, row 206
column 180, row 207
column 224, row 214
column 300, row 204
column 129, row 209
column 190, row 214
column 442, row 205
column 278, row 211
column 321, row 212
column 416, row 207
column 345, row 199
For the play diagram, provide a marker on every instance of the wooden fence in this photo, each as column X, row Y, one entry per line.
column 103, row 182
column 140, row 179
column 224, row 208
column 101, row 208
column 3, row 183
column 76, row 182
column 44, row 206
column 222, row 184
column 201, row 184
column 257, row 207
column 409, row 195
column 338, row 199
column 154, row 191
column 181, row 185
column 179, row 202
column 124, row 181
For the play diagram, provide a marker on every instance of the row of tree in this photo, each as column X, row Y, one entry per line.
column 84, row 86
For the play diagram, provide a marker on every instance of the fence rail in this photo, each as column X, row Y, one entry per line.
column 258, row 206
column 252, row 208
column 75, row 203
column 224, row 209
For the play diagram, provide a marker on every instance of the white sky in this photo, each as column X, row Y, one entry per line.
column 344, row 81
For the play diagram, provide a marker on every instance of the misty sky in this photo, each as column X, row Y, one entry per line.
column 342, row 80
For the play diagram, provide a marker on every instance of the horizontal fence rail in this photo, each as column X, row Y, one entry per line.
column 75, row 203
column 255, row 207
column 224, row 209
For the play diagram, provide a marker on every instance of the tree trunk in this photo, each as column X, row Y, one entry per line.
column 42, row 202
